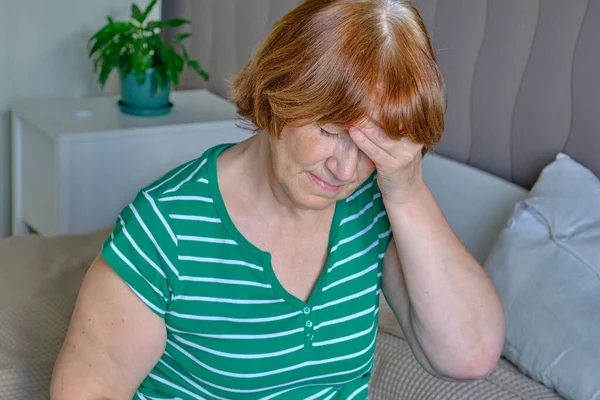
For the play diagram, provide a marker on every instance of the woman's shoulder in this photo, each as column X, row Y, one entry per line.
column 184, row 177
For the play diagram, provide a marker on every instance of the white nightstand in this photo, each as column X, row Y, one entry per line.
column 77, row 162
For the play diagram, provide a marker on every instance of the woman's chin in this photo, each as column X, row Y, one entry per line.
column 315, row 202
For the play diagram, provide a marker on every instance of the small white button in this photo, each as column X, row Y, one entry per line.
column 309, row 324
column 310, row 336
column 306, row 310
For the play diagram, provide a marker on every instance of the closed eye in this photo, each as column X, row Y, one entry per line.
column 327, row 133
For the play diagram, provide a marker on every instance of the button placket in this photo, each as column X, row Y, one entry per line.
column 308, row 326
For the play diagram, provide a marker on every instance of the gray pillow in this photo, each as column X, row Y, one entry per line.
column 546, row 267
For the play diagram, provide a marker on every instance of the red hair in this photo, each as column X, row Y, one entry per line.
column 337, row 61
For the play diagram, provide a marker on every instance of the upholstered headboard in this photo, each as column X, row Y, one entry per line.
column 523, row 76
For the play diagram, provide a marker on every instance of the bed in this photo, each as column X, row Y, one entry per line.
column 523, row 86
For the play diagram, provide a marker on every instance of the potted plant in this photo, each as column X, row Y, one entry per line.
column 148, row 65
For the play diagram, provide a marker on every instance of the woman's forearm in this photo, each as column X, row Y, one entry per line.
column 456, row 312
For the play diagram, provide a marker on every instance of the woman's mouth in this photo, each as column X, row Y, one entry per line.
column 324, row 185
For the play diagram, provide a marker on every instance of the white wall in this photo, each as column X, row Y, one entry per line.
column 43, row 54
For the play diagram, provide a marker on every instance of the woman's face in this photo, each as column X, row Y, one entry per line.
column 318, row 165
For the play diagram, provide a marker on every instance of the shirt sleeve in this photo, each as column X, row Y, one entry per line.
column 142, row 250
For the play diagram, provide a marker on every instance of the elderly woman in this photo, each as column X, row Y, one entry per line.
column 254, row 271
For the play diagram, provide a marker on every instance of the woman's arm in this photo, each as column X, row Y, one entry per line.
column 448, row 307
column 441, row 296
column 114, row 341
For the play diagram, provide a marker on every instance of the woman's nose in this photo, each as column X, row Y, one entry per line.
column 344, row 164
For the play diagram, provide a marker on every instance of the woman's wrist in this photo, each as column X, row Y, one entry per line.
column 417, row 196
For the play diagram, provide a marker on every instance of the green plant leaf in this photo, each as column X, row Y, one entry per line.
column 109, row 35
column 148, row 10
column 99, row 40
column 152, row 25
column 193, row 64
column 109, row 60
column 175, row 23
column 181, row 37
column 160, row 81
column 136, row 13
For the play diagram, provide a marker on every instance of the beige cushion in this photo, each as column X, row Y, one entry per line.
column 398, row 375
column 39, row 282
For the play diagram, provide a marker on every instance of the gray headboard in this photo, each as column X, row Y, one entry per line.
column 523, row 76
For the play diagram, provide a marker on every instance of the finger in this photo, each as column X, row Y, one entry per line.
column 378, row 155
column 410, row 146
column 377, row 136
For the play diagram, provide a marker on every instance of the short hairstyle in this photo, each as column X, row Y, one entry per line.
column 335, row 61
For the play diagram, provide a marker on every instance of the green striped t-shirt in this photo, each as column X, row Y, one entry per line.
column 233, row 331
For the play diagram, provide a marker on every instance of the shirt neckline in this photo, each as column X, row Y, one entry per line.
column 263, row 257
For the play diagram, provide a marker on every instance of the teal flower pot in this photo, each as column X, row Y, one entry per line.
column 144, row 99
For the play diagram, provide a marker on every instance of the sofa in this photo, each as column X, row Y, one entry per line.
column 516, row 175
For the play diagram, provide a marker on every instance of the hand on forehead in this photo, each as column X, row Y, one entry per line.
column 370, row 137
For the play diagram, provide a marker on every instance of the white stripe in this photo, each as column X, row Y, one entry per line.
column 357, row 391
column 359, row 234
column 275, row 371
column 330, row 396
column 187, row 198
column 317, row 395
column 380, row 256
column 351, row 371
column 148, row 303
column 183, row 168
column 345, row 299
column 361, row 191
column 191, row 382
column 206, row 239
column 228, row 319
column 351, row 277
column 240, row 337
column 344, row 338
column 130, row 265
column 295, row 388
column 139, row 250
column 194, row 218
column 228, row 301
column 183, row 182
column 160, row 251
column 203, row 180
column 219, row 261
column 238, row 356
column 353, row 256
column 157, row 398
column 174, row 386
column 376, row 311
column 377, row 292
column 358, row 214
column 385, row 234
column 379, row 274
column 160, row 216
column 224, row 281
column 344, row 319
